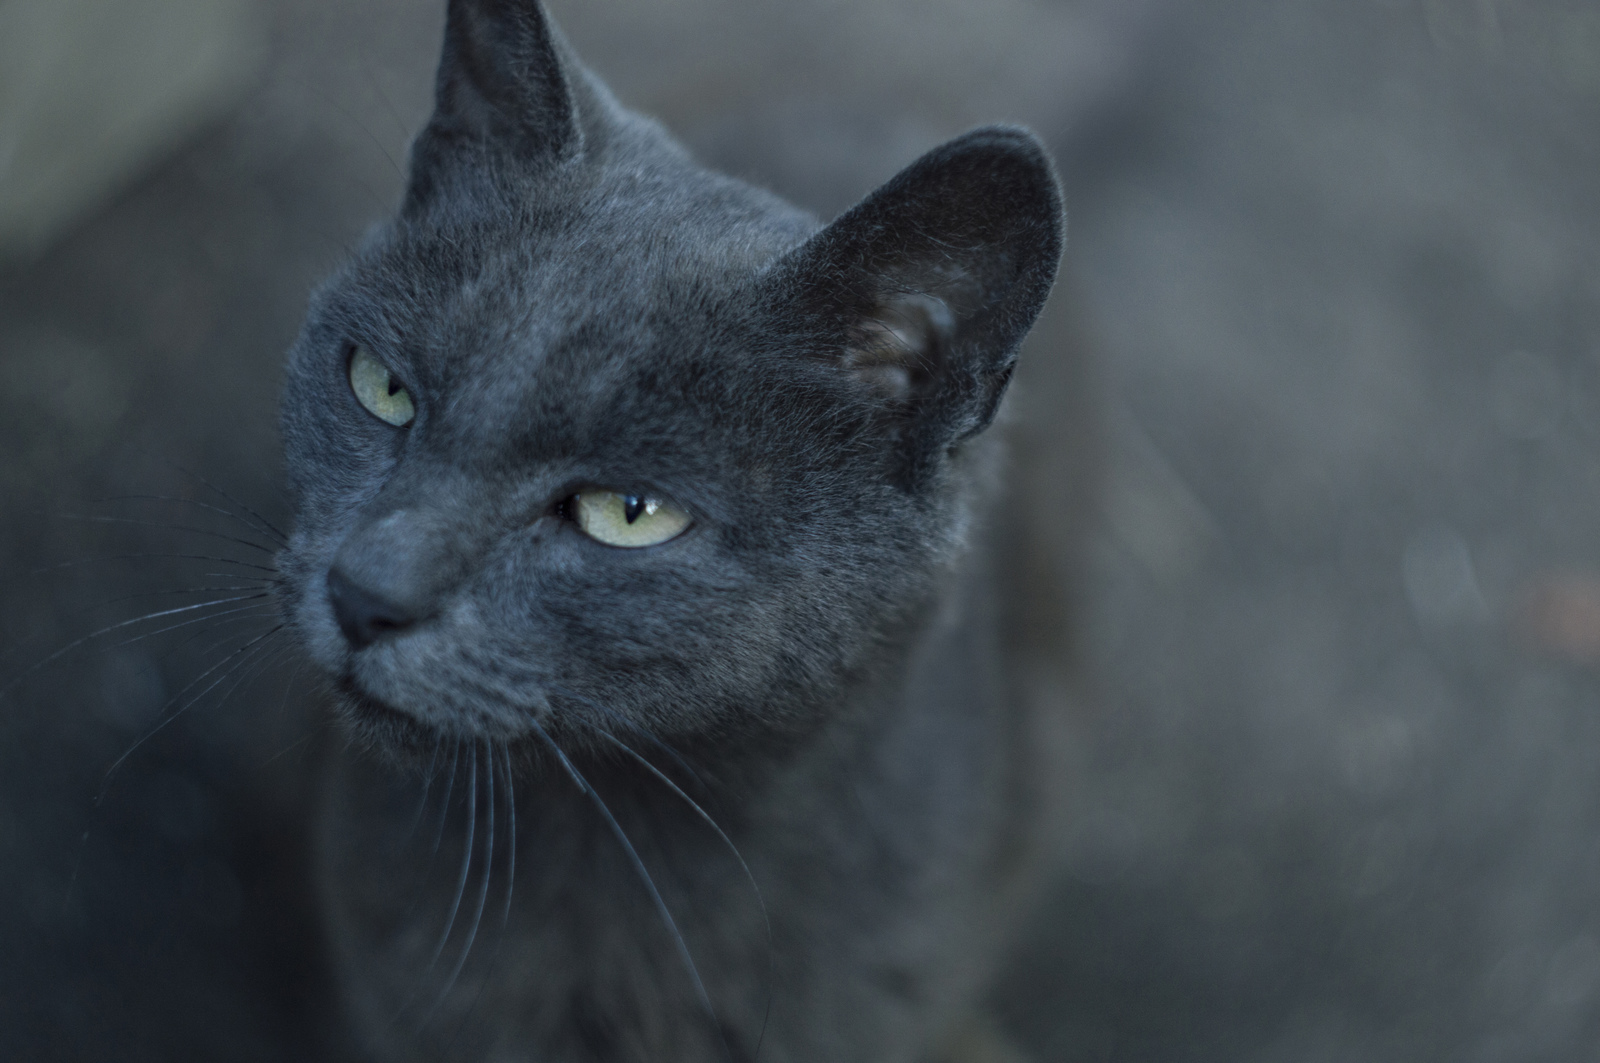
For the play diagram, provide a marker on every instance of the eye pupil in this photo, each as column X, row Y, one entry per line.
column 616, row 519
column 378, row 391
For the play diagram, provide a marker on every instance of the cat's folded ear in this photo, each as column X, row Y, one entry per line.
column 506, row 87
column 927, row 287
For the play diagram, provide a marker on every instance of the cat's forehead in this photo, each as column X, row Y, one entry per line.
column 552, row 320
column 608, row 253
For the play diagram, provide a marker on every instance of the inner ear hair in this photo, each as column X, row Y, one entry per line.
column 899, row 346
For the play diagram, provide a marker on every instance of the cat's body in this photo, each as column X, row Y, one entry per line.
column 771, row 778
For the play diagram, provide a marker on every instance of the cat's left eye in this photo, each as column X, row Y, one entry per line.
column 626, row 520
column 378, row 391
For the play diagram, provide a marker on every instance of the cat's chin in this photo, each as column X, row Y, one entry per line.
column 400, row 737
column 393, row 731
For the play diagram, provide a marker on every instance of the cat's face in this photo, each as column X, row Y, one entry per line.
column 592, row 438
column 552, row 365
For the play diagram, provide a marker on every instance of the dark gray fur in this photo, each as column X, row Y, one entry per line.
column 817, row 661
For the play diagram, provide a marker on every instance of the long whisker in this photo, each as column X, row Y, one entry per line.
column 265, row 523
column 461, row 880
column 166, row 720
column 283, row 710
column 75, row 643
column 511, row 833
column 214, row 621
column 644, row 875
column 699, row 811
column 427, row 785
column 483, row 889
column 438, row 834
column 83, row 841
column 427, row 870
column 16, row 648
column 265, row 610
column 269, row 657
column 153, row 557
column 732, row 848
column 89, row 518
column 288, row 688
column 273, row 534
column 255, row 610
column 632, row 728
column 255, row 585
column 286, row 750
column 449, row 787
column 505, row 911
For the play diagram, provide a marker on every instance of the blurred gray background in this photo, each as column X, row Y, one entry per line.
column 1338, row 789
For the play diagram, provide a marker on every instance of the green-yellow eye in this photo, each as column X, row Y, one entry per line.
column 378, row 390
column 627, row 520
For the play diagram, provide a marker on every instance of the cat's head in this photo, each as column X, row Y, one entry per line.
column 591, row 437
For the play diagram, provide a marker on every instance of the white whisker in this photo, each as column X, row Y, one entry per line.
column 165, row 721
column 483, row 890
column 643, row 872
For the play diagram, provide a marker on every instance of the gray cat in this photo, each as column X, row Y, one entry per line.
column 649, row 529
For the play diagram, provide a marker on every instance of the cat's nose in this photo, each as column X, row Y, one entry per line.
column 364, row 616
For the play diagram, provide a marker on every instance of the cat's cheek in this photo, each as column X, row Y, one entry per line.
column 319, row 633
column 305, row 606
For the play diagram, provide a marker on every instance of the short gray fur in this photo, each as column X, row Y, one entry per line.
column 827, row 662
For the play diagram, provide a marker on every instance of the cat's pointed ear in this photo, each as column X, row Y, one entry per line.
column 504, row 86
column 927, row 287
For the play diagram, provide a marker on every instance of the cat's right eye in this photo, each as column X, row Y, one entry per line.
column 626, row 520
column 378, row 391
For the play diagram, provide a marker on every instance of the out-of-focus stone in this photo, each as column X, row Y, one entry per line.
column 92, row 94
